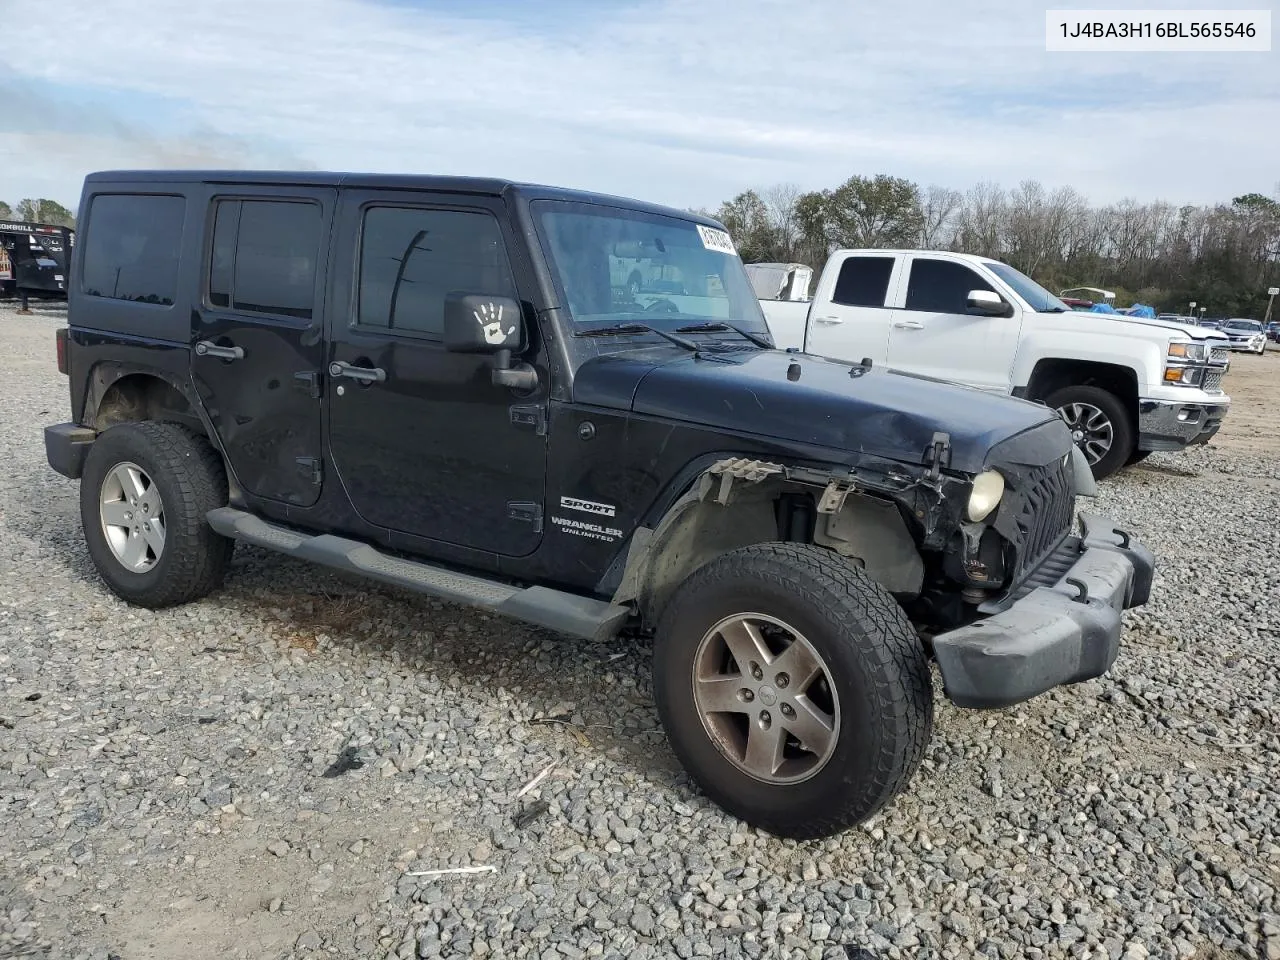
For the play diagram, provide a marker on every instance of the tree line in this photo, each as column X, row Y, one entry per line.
column 38, row 211
column 1222, row 256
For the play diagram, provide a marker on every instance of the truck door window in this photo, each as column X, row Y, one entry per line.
column 940, row 286
column 264, row 256
column 863, row 281
column 411, row 258
column 131, row 252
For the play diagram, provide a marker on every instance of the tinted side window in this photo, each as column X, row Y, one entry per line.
column 863, row 281
column 131, row 252
column 940, row 286
column 410, row 259
column 264, row 256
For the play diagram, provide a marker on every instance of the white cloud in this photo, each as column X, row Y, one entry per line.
column 677, row 101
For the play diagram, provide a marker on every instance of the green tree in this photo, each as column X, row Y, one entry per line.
column 45, row 211
column 747, row 219
column 6, row 211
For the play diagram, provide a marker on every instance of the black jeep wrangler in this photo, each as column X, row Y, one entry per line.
column 450, row 385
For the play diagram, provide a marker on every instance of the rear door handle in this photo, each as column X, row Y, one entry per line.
column 207, row 348
column 363, row 374
column 908, row 324
column 828, row 319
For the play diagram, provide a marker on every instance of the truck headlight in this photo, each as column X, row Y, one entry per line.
column 1195, row 352
column 988, row 488
column 1185, row 376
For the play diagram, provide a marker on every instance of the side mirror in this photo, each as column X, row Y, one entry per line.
column 475, row 323
column 987, row 304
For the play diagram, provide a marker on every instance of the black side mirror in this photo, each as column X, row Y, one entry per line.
column 985, row 303
column 475, row 323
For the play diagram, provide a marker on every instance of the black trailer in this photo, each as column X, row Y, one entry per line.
column 35, row 259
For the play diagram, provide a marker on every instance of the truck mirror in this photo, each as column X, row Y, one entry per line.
column 988, row 304
column 476, row 323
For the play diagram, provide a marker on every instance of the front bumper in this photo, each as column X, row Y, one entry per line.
column 1054, row 635
column 1170, row 425
column 65, row 447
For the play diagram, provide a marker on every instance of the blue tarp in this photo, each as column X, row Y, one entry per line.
column 1137, row 310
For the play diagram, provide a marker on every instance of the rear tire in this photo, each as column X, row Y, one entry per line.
column 870, row 688
column 1097, row 418
column 143, row 498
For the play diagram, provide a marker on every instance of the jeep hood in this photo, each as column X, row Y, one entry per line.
column 883, row 413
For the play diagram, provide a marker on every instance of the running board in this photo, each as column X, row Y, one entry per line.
column 553, row 609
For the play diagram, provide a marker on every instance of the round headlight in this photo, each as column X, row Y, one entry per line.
column 988, row 488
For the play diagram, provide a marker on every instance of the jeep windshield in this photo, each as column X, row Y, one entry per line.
column 616, row 266
column 1038, row 298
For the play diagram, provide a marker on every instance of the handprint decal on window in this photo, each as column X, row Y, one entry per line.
column 490, row 319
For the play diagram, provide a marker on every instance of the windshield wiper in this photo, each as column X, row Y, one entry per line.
column 755, row 338
column 624, row 328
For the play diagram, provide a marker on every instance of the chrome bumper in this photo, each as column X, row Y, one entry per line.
column 1170, row 425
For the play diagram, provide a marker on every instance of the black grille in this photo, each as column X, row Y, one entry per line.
column 1046, row 505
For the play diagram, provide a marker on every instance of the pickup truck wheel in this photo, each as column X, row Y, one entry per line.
column 793, row 688
column 1099, row 424
column 143, row 498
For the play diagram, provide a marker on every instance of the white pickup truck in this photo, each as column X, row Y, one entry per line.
column 1125, row 386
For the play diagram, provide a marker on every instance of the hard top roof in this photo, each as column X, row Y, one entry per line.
column 482, row 186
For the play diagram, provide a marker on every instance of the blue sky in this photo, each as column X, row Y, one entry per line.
column 684, row 102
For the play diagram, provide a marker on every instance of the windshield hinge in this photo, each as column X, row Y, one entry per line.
column 938, row 455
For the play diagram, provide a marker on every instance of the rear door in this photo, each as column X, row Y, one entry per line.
column 849, row 318
column 932, row 332
column 257, row 344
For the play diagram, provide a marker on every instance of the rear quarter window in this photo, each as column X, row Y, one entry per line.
column 130, row 250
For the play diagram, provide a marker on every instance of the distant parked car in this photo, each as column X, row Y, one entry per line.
column 1246, row 335
column 1273, row 331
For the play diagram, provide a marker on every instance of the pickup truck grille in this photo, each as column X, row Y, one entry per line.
column 1213, row 380
column 1045, row 509
column 1219, row 355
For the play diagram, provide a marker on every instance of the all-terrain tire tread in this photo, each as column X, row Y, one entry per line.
column 849, row 599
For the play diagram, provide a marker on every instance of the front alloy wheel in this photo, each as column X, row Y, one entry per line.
column 1101, row 425
column 1091, row 429
column 766, row 699
column 132, row 516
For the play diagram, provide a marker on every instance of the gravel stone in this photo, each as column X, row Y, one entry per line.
column 158, row 767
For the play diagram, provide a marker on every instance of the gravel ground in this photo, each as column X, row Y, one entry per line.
column 170, row 783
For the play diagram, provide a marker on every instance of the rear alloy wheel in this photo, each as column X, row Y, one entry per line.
column 143, row 498
column 1099, row 424
column 793, row 688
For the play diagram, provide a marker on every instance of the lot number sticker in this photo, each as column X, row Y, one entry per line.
column 716, row 240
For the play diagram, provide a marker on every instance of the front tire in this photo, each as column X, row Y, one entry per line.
column 793, row 688
column 1100, row 426
column 144, row 494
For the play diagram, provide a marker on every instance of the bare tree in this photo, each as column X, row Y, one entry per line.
column 939, row 207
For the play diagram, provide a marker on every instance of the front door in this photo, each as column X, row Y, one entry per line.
column 257, row 348
column 424, row 442
column 932, row 333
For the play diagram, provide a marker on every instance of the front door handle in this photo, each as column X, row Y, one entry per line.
column 828, row 319
column 363, row 374
column 207, row 348
column 908, row 324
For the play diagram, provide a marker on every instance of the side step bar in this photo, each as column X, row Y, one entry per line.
column 553, row 609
